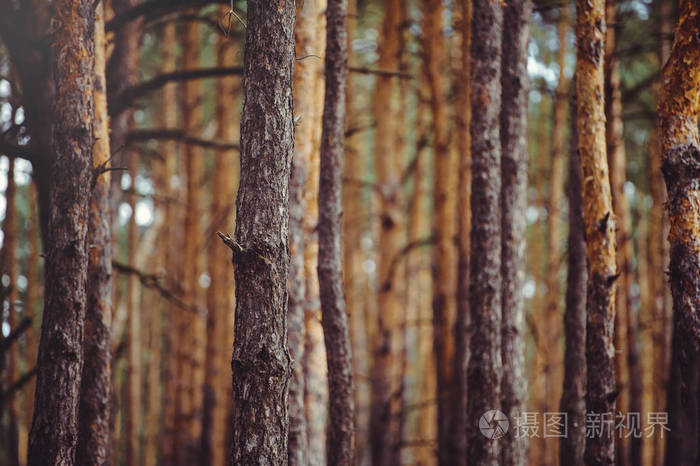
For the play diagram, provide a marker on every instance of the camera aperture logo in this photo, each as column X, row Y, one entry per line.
column 494, row 424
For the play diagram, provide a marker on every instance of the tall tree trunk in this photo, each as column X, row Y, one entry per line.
column 10, row 267
column 384, row 415
column 573, row 398
column 192, row 342
column 444, row 266
column 485, row 288
column 261, row 361
column 600, row 225
column 515, row 88
column 168, row 109
column 94, row 437
column 330, row 275
column 220, row 292
column 679, row 109
column 464, row 226
column 553, row 301
column 54, row 432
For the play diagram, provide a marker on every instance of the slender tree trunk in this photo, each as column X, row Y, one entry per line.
column 516, row 16
column 485, row 366
column 573, row 398
column 192, row 342
column 384, row 415
column 679, row 109
column 600, row 226
column 10, row 267
column 94, row 440
column 334, row 318
column 169, row 149
column 220, row 291
column 464, row 194
column 261, row 361
column 444, row 266
column 553, row 301
column 54, row 432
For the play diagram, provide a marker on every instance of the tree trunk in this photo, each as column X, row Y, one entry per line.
column 678, row 114
column 261, row 361
column 515, row 88
column 330, row 274
column 10, row 267
column 54, row 432
column 220, row 292
column 485, row 366
column 553, row 301
column 384, row 414
column 600, row 225
column 192, row 330
column 94, row 440
column 573, row 398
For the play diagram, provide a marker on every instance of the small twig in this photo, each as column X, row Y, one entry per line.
column 22, row 327
column 19, row 383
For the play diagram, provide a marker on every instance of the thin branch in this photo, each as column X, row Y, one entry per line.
column 393, row 265
column 13, row 150
column 153, row 7
column 154, row 282
column 17, row 332
column 383, row 73
column 19, row 383
column 123, row 100
column 176, row 134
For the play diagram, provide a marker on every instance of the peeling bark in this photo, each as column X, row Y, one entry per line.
column 54, row 432
column 261, row 361
column 600, row 224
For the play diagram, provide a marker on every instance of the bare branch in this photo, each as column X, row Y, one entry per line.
column 153, row 8
column 176, row 134
column 382, row 73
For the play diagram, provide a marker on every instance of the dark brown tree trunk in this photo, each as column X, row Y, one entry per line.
column 600, row 226
column 94, row 441
column 261, row 361
column 679, row 109
column 54, row 432
column 573, row 401
column 516, row 16
column 330, row 275
column 485, row 366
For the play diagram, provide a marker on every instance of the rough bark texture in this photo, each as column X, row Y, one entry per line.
column 261, row 361
column 94, row 441
column 573, row 398
column 464, row 225
column 600, row 224
column 444, row 266
column 330, row 273
column 555, row 222
column 485, row 366
column 220, row 292
column 54, row 432
column 515, row 88
column 385, row 377
column 680, row 142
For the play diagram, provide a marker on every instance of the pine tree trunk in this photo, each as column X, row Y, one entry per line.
column 384, row 414
column 54, row 432
column 261, row 361
column 553, row 301
column 516, row 16
column 678, row 115
column 600, row 225
column 573, row 398
column 485, row 289
column 330, row 274
column 10, row 267
column 94, row 441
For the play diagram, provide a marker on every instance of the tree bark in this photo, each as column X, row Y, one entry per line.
column 261, row 361
column 385, row 377
column 54, row 432
column 600, row 225
column 573, row 398
column 515, row 88
column 94, row 436
column 330, row 272
column 680, row 142
column 485, row 289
